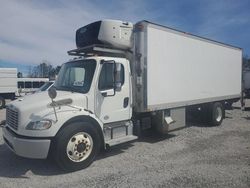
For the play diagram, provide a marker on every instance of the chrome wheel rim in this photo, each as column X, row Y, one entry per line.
column 218, row 114
column 79, row 147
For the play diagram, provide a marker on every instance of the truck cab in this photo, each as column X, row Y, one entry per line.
column 90, row 105
column 92, row 109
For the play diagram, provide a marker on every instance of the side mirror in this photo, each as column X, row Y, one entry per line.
column 52, row 92
column 118, row 77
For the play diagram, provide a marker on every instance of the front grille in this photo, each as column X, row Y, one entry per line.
column 12, row 118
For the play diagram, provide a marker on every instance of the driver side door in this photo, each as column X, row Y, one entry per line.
column 111, row 105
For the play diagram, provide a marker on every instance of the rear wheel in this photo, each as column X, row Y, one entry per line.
column 2, row 102
column 76, row 146
column 217, row 113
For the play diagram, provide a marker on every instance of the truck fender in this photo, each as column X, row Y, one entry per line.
column 94, row 121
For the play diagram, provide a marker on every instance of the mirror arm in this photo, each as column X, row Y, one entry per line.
column 54, row 108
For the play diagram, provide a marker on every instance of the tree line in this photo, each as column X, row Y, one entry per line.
column 246, row 63
column 43, row 70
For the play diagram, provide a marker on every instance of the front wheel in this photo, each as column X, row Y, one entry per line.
column 76, row 146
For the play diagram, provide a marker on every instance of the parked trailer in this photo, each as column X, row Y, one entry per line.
column 127, row 78
column 8, row 84
column 30, row 85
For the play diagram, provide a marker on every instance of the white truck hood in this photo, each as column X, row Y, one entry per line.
column 37, row 106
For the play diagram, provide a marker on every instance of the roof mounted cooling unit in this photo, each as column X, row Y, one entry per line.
column 111, row 33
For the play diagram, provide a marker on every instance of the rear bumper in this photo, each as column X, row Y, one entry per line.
column 26, row 147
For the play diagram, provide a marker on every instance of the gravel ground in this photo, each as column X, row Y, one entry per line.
column 197, row 156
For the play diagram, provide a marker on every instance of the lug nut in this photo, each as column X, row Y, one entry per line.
column 70, row 153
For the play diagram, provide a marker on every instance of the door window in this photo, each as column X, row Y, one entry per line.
column 106, row 79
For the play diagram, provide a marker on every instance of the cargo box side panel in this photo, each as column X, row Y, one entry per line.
column 184, row 70
column 8, row 80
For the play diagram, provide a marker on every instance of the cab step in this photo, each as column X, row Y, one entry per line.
column 118, row 132
column 121, row 140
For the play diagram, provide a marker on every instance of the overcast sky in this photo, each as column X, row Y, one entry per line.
column 32, row 31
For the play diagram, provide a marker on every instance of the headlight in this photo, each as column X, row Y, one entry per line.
column 39, row 125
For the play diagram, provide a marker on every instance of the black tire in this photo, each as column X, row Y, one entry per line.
column 62, row 139
column 2, row 102
column 217, row 113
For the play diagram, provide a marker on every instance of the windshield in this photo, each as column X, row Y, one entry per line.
column 76, row 76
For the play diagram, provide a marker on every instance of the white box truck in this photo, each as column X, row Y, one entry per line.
column 8, row 84
column 127, row 78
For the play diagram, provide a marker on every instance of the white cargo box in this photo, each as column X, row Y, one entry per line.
column 178, row 69
column 8, row 80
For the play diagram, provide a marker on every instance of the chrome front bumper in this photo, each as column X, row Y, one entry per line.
column 26, row 147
